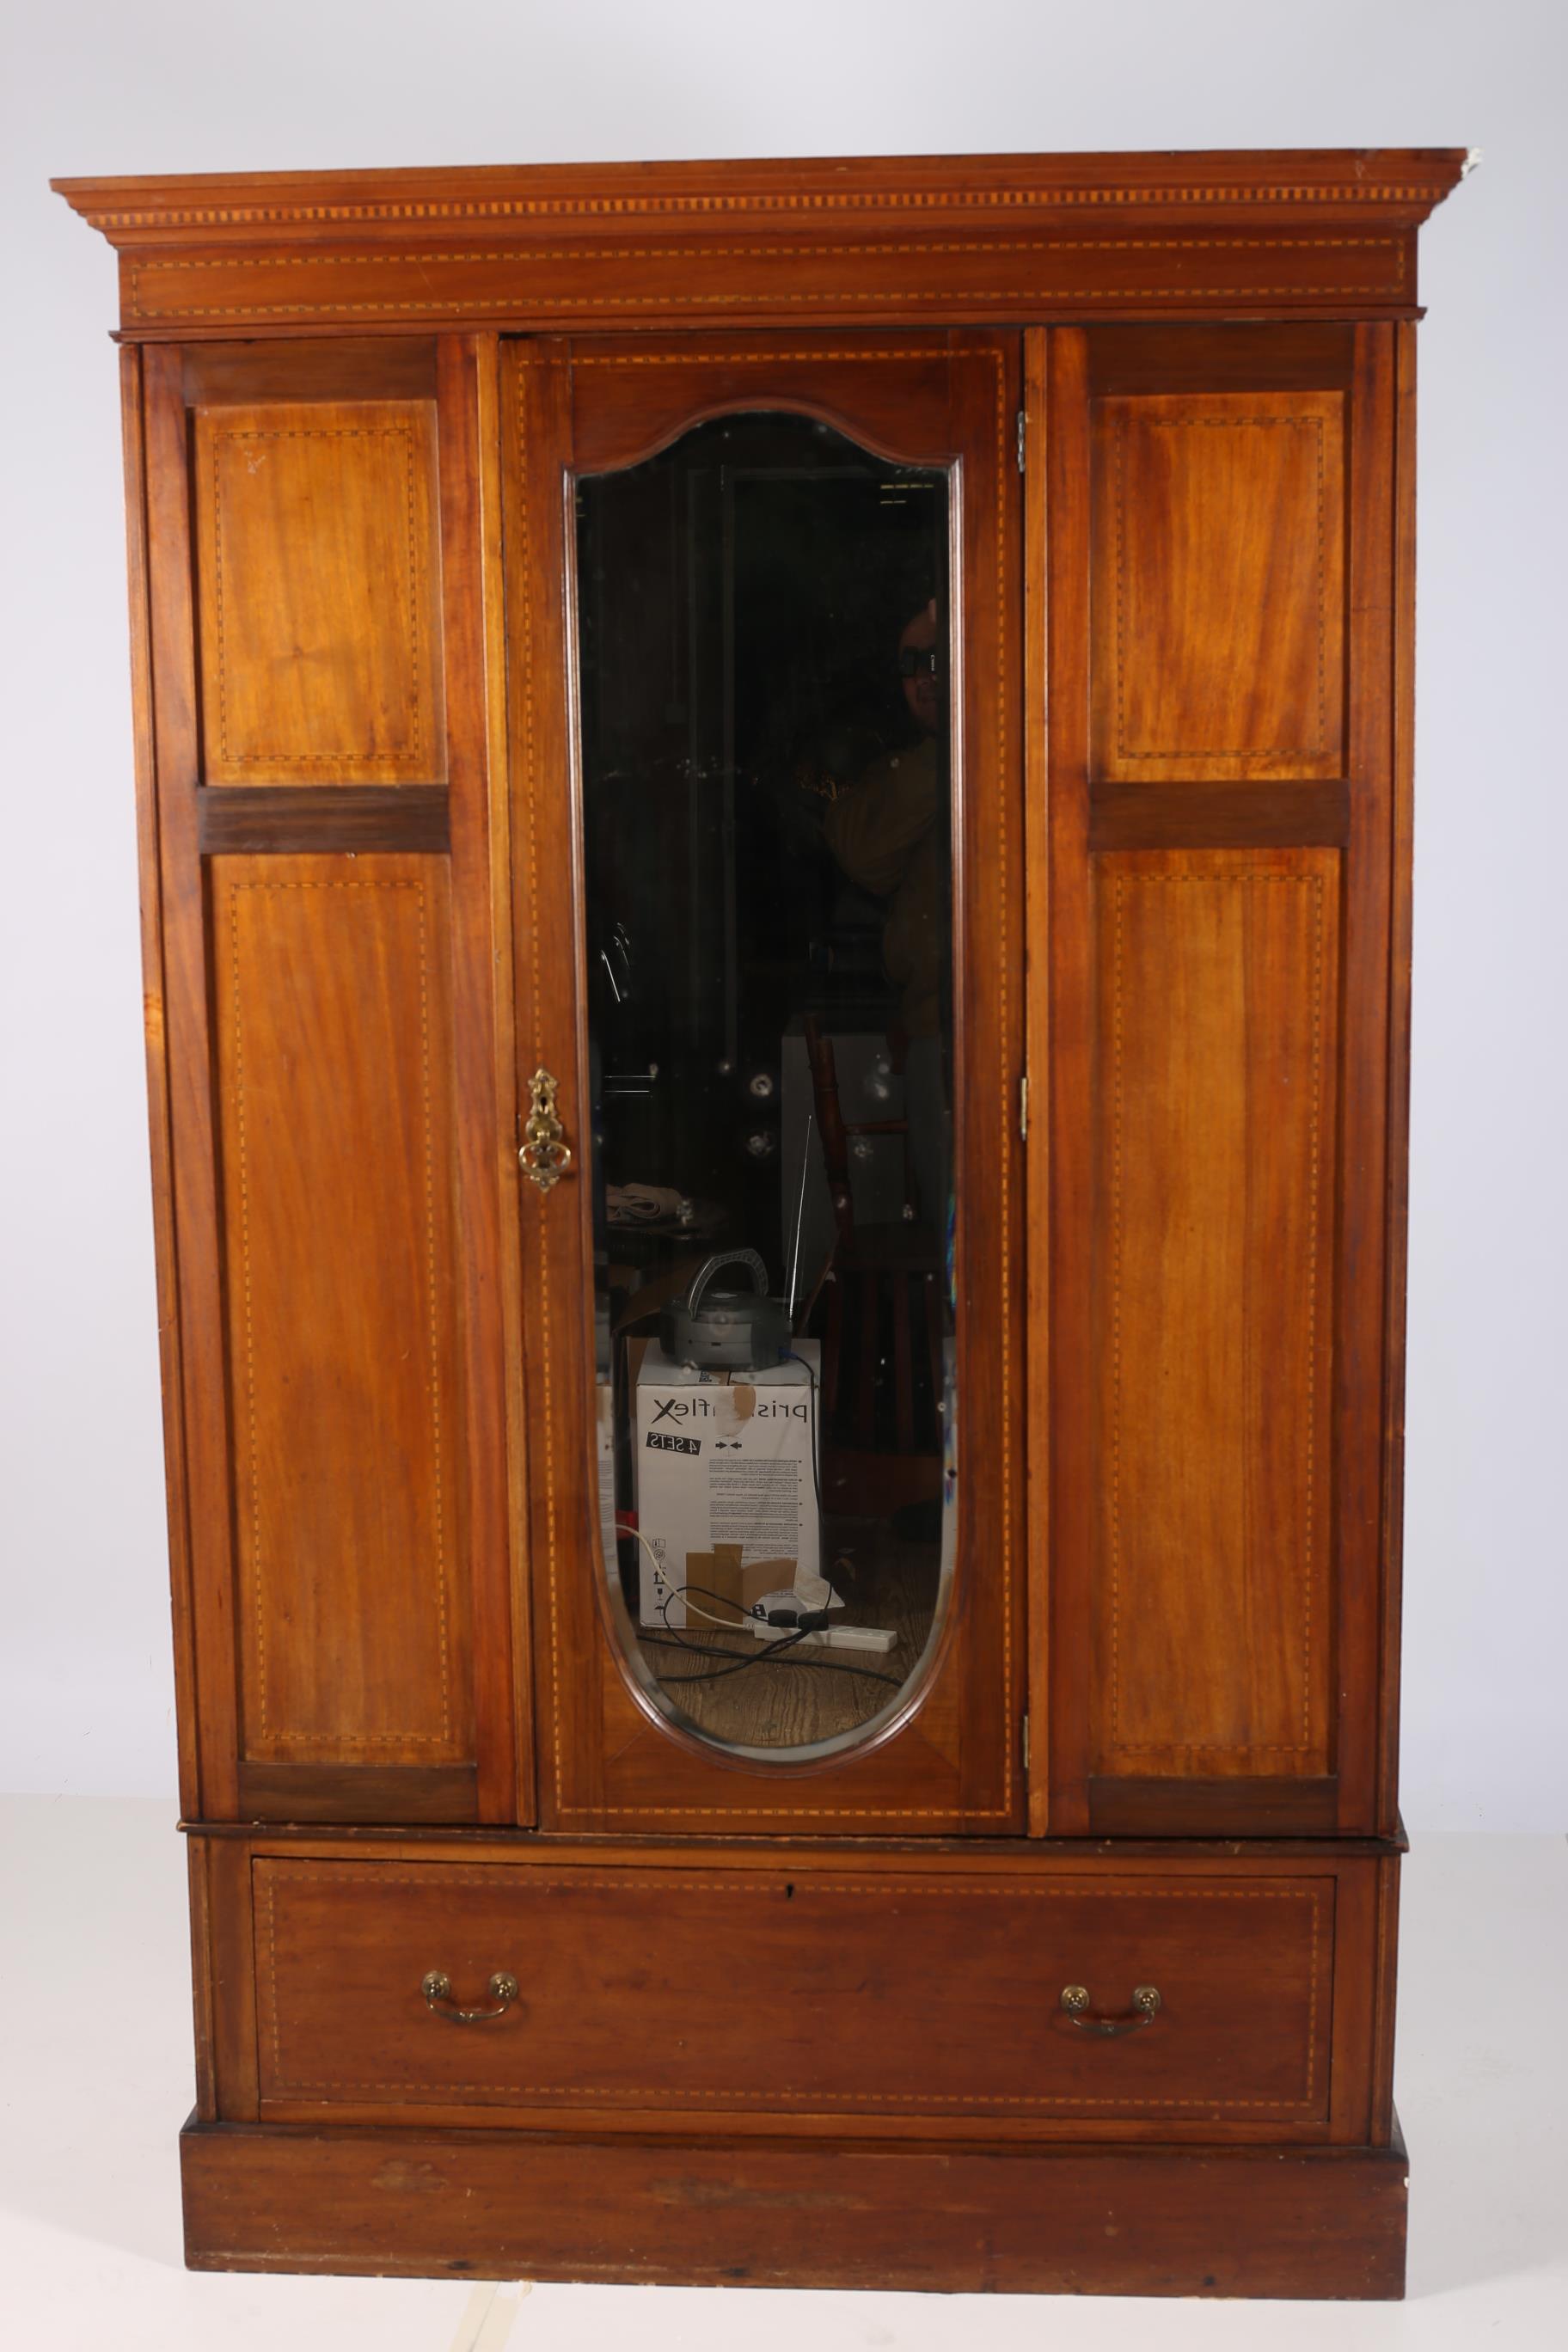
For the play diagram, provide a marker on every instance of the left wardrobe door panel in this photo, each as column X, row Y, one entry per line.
column 321, row 598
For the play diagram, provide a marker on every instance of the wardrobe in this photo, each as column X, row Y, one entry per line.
column 775, row 817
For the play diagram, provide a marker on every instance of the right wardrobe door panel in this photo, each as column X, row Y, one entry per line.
column 1217, row 829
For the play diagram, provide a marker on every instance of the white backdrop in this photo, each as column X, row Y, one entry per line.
column 201, row 85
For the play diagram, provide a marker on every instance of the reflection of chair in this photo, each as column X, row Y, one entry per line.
column 873, row 1277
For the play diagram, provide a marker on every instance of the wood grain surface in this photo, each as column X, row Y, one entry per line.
column 334, row 1077
column 318, row 592
column 1241, row 1212
column 1216, row 1041
column 700, row 1990
column 1219, row 585
column 1317, row 2224
column 852, row 241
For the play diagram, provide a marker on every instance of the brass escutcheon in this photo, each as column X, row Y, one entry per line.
column 545, row 1153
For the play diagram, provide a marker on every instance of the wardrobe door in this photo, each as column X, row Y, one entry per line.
column 1219, row 816
column 317, row 568
column 763, row 608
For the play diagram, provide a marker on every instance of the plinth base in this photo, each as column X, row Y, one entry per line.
column 1059, row 2220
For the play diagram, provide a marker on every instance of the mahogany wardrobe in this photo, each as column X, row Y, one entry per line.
column 775, row 817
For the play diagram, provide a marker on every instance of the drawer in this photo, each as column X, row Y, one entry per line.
column 661, row 1994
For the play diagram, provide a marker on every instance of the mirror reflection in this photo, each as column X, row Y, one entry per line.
column 764, row 625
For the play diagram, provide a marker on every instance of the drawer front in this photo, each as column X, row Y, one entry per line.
column 682, row 1992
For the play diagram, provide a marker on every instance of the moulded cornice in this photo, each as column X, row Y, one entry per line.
column 886, row 238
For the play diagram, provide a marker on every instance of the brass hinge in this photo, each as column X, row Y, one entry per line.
column 1024, row 1108
column 1026, row 1745
column 1021, row 423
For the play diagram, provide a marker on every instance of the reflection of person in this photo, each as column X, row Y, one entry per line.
column 888, row 834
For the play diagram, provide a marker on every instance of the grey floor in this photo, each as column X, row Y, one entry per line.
column 95, row 2078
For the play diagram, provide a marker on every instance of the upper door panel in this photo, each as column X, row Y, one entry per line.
column 319, row 591
column 1218, row 598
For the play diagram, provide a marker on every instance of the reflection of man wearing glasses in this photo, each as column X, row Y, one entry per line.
column 888, row 836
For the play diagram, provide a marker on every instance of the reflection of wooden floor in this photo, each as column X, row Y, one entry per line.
column 779, row 1703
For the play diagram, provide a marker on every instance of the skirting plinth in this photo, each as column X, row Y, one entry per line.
column 1059, row 2220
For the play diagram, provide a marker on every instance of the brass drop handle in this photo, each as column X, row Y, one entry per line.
column 1145, row 2005
column 545, row 1153
column 437, row 1987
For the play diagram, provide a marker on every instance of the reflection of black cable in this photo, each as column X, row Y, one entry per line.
column 678, row 1592
column 771, row 1650
column 678, row 1641
column 757, row 1658
column 730, row 1624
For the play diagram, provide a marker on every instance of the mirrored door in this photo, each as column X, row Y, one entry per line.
column 764, row 677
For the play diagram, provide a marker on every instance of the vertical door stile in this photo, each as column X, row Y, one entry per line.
column 465, row 372
column 205, row 1397
column 491, row 427
column 1402, row 785
column 155, row 1021
column 536, row 450
column 1359, row 1464
column 1035, row 679
column 1066, row 1438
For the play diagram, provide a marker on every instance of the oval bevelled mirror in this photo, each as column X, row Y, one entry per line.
column 763, row 631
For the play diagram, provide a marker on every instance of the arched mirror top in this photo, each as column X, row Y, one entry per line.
column 764, row 613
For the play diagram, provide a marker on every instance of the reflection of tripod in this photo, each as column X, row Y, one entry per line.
column 881, row 1286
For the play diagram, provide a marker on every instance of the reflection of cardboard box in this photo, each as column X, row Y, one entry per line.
column 724, row 1478
column 724, row 1586
column 604, row 1446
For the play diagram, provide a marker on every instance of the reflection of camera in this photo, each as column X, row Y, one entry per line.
column 728, row 1330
